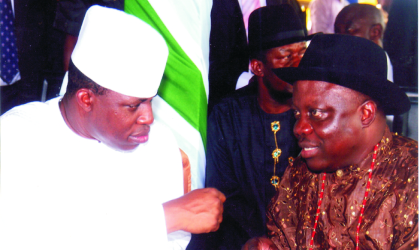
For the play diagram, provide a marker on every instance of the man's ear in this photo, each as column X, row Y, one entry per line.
column 257, row 67
column 85, row 98
column 368, row 112
column 376, row 32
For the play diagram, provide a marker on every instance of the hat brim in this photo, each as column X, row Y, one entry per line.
column 281, row 42
column 390, row 96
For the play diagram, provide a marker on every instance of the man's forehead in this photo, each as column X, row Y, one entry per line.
column 297, row 45
column 314, row 84
column 360, row 14
column 120, row 96
column 321, row 89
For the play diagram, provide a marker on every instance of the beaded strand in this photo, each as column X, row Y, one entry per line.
column 321, row 195
column 366, row 195
column 275, row 180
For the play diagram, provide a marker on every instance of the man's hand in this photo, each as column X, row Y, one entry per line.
column 199, row 211
column 259, row 243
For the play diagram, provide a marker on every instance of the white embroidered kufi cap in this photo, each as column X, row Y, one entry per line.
column 120, row 52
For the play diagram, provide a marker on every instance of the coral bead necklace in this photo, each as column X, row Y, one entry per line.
column 321, row 194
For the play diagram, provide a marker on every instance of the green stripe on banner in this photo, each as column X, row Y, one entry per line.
column 182, row 85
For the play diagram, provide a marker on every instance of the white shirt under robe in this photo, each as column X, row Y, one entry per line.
column 62, row 191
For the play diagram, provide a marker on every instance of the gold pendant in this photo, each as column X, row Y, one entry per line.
column 275, row 181
column 276, row 154
column 275, row 126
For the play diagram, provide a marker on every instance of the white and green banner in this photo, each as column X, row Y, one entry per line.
column 181, row 103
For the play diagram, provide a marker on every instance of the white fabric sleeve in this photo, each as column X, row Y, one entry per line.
column 390, row 69
column 171, row 173
column 102, row 199
column 178, row 240
column 320, row 16
column 243, row 79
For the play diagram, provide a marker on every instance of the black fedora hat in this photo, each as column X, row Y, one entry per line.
column 353, row 62
column 274, row 26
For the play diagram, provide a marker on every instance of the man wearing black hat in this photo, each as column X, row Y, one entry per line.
column 354, row 185
column 229, row 55
column 250, row 132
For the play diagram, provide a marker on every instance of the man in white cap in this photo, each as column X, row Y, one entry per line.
column 92, row 170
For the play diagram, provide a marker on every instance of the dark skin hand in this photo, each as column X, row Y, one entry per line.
column 259, row 243
column 199, row 211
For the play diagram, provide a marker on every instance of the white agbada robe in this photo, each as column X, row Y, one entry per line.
column 62, row 191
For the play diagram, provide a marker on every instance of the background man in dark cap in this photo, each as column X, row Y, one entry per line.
column 246, row 128
column 366, row 21
column 362, row 20
column 354, row 184
column 229, row 55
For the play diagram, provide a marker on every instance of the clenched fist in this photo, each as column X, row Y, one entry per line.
column 259, row 243
column 199, row 211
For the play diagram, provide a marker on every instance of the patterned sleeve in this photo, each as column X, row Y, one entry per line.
column 405, row 212
column 280, row 213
